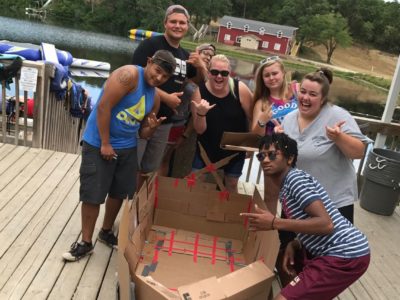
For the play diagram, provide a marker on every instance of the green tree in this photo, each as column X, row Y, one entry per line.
column 202, row 12
column 329, row 30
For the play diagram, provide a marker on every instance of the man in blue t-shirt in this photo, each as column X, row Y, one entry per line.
column 127, row 107
column 334, row 252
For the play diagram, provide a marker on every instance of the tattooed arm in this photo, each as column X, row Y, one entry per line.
column 121, row 82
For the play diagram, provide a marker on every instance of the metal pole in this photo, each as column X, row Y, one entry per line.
column 390, row 104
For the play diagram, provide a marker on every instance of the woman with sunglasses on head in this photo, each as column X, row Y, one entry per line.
column 217, row 108
column 274, row 97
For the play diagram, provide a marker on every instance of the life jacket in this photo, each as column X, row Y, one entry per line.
column 78, row 102
column 8, row 72
column 58, row 84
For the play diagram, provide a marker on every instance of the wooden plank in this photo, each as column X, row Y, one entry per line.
column 92, row 277
column 11, row 206
column 11, row 158
column 45, row 279
column 108, row 288
column 91, row 283
column 5, row 149
column 14, row 186
column 383, row 272
column 15, row 224
column 346, row 295
column 18, row 167
column 29, row 252
column 359, row 291
column 70, row 276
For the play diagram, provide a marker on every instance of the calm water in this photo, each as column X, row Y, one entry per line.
column 118, row 51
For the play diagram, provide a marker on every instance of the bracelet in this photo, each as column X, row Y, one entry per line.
column 272, row 223
column 261, row 124
column 200, row 115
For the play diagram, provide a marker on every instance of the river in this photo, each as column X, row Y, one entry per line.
column 117, row 51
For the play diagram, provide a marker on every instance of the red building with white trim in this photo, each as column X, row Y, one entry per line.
column 256, row 35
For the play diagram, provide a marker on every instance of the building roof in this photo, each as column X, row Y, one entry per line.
column 255, row 26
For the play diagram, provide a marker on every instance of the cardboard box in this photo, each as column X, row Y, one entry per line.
column 182, row 239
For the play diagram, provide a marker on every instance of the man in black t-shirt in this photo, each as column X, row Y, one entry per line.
column 176, row 24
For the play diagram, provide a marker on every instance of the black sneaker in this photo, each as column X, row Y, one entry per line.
column 108, row 238
column 78, row 250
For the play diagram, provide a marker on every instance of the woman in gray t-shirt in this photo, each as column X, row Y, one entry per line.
column 328, row 139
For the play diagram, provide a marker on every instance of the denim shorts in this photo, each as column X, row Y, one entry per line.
column 100, row 177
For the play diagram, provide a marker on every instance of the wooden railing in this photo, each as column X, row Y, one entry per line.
column 51, row 126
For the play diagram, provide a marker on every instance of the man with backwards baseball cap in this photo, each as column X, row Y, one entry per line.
column 176, row 24
column 127, row 106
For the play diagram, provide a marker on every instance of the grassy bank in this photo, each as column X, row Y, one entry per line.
column 303, row 67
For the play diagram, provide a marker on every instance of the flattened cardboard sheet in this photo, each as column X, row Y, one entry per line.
column 240, row 141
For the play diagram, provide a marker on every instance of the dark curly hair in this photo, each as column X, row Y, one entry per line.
column 282, row 142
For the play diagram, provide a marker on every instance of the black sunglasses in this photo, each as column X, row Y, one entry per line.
column 271, row 155
column 224, row 73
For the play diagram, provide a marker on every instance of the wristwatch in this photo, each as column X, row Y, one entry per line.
column 261, row 124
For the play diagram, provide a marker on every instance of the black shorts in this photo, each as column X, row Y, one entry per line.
column 99, row 177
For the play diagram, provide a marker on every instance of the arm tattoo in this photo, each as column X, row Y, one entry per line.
column 125, row 77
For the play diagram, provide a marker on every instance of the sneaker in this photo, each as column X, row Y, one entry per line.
column 108, row 238
column 77, row 251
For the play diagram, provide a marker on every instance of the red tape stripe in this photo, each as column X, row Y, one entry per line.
column 171, row 243
column 155, row 257
column 191, row 243
column 246, row 219
column 232, row 263
column 206, row 254
column 196, row 247
column 191, row 180
column 214, row 250
column 211, row 168
column 176, row 182
column 223, row 195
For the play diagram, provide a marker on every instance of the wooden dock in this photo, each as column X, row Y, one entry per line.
column 40, row 219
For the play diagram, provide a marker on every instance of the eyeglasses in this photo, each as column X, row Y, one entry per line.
column 271, row 155
column 224, row 73
column 269, row 59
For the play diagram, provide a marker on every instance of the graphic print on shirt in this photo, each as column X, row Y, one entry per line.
column 280, row 111
column 285, row 208
column 180, row 71
column 134, row 114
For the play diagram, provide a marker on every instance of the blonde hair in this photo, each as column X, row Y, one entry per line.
column 262, row 92
column 221, row 57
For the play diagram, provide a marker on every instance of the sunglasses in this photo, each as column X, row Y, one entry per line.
column 269, row 59
column 271, row 155
column 224, row 73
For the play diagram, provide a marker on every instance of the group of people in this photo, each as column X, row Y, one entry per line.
column 147, row 108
